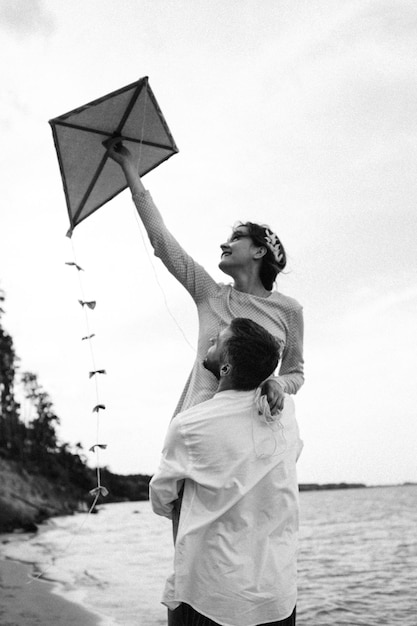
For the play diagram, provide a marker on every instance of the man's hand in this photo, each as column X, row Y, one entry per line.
column 274, row 394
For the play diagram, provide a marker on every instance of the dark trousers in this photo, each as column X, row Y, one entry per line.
column 185, row 615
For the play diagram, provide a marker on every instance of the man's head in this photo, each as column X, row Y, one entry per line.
column 243, row 355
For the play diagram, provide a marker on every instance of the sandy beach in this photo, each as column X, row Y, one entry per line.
column 27, row 602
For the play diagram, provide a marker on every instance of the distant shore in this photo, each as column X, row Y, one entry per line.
column 329, row 486
column 326, row 486
column 28, row 602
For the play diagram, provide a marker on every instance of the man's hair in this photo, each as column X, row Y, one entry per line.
column 252, row 352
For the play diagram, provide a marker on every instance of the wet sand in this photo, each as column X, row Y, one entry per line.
column 27, row 602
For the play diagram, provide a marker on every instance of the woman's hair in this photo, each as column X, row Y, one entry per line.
column 253, row 353
column 272, row 263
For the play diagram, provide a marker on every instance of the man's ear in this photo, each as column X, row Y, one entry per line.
column 225, row 369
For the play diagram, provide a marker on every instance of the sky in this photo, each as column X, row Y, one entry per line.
column 299, row 114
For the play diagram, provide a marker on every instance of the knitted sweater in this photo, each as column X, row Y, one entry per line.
column 217, row 304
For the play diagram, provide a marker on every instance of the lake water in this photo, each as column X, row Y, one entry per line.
column 357, row 561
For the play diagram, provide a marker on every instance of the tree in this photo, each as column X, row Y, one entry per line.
column 41, row 431
column 11, row 429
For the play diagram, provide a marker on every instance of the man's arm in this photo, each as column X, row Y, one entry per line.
column 167, row 482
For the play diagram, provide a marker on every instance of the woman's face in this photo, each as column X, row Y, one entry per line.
column 238, row 251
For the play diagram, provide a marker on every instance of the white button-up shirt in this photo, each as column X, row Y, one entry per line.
column 235, row 553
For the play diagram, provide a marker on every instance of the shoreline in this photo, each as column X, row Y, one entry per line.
column 28, row 602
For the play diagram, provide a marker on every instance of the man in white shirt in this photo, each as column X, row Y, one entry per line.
column 235, row 552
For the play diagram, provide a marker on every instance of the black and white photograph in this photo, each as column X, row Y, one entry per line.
column 208, row 313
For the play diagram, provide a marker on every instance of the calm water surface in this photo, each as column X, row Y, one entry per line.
column 357, row 563
column 358, row 557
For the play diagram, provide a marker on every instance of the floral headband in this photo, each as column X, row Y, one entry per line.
column 274, row 245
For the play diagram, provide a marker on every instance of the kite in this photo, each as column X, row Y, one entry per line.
column 82, row 137
column 89, row 176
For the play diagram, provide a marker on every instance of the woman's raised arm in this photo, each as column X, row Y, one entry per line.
column 180, row 264
column 119, row 153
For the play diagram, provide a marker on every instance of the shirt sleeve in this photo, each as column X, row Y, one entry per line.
column 291, row 371
column 196, row 280
column 167, row 482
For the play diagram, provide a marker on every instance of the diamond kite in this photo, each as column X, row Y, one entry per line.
column 90, row 178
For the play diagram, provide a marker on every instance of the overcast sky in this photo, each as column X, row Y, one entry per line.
column 298, row 114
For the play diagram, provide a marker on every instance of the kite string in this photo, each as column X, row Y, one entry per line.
column 160, row 286
column 138, row 222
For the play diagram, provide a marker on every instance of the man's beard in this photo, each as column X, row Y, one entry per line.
column 212, row 367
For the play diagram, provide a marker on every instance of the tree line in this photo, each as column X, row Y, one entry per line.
column 35, row 445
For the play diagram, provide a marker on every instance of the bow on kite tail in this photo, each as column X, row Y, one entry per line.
column 87, row 306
